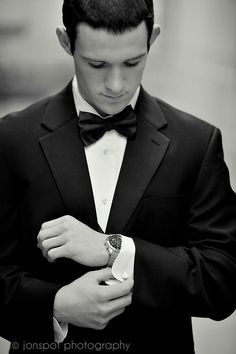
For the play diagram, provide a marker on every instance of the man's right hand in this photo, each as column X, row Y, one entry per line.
column 87, row 303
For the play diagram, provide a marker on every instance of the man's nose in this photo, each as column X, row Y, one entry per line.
column 115, row 81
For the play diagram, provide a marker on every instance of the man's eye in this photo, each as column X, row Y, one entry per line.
column 131, row 64
column 96, row 66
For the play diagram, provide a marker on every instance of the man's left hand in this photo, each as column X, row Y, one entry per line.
column 70, row 238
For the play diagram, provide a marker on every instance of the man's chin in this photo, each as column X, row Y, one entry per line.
column 111, row 109
column 107, row 110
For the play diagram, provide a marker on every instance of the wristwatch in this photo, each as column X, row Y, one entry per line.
column 113, row 246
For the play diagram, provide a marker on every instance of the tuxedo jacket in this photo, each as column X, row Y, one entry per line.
column 173, row 197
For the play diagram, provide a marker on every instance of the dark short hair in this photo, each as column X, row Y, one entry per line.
column 116, row 16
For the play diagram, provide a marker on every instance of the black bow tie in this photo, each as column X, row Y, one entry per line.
column 92, row 127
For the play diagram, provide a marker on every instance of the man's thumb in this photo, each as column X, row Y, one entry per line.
column 103, row 274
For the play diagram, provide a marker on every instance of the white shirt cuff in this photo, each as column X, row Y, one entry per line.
column 123, row 267
column 60, row 330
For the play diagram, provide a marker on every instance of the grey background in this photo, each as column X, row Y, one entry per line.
column 192, row 66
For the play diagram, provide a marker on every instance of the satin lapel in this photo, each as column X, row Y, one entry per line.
column 141, row 160
column 65, row 156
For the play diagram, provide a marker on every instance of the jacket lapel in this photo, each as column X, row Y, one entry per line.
column 65, row 155
column 66, row 158
column 141, row 160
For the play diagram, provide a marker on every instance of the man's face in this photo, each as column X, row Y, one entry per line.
column 109, row 67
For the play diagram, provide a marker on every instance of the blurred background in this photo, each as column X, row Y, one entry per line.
column 192, row 66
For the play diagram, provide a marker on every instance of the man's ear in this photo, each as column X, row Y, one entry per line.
column 64, row 39
column 155, row 33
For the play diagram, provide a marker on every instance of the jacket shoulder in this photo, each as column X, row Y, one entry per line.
column 189, row 135
column 188, row 122
column 31, row 112
column 17, row 128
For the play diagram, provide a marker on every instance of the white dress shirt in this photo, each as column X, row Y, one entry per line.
column 104, row 160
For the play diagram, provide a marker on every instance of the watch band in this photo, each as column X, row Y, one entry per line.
column 113, row 246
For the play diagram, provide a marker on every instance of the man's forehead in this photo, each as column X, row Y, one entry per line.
column 100, row 34
column 100, row 42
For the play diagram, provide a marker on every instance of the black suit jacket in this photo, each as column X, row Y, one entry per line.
column 173, row 197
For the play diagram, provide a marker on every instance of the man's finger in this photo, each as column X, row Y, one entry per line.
column 50, row 232
column 56, row 253
column 54, row 222
column 53, row 242
column 119, row 289
column 119, row 303
column 115, row 314
column 102, row 275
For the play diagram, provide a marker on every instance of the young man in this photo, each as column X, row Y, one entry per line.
column 117, row 215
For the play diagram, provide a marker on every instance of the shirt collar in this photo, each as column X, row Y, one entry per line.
column 82, row 105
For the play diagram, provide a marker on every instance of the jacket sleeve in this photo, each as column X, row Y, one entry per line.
column 197, row 279
column 26, row 303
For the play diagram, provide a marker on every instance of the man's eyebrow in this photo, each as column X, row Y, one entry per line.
column 103, row 61
column 94, row 60
column 138, row 57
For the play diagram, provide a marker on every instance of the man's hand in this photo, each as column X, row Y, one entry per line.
column 86, row 303
column 68, row 237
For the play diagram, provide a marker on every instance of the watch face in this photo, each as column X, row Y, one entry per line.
column 115, row 241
